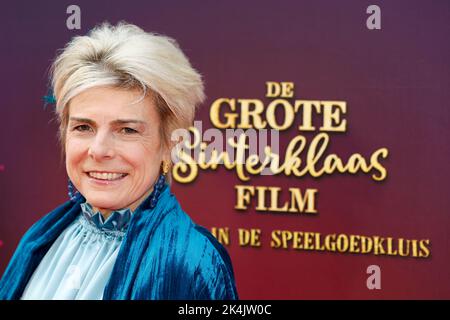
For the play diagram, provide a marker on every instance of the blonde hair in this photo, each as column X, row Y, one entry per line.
column 125, row 56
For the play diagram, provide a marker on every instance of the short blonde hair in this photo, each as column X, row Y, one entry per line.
column 125, row 56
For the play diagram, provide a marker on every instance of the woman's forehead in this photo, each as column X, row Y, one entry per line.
column 112, row 103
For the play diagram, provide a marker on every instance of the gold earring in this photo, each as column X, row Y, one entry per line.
column 165, row 167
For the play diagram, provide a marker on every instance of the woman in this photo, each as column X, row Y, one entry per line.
column 120, row 92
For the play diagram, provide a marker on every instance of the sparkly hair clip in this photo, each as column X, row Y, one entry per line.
column 49, row 98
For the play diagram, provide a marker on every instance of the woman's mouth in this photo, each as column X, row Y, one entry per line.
column 106, row 176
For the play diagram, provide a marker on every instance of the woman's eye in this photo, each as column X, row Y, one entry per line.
column 129, row 130
column 83, row 127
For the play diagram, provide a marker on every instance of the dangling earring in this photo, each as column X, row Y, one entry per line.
column 72, row 191
column 165, row 167
column 159, row 184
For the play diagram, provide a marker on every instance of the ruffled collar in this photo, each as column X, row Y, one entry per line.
column 117, row 221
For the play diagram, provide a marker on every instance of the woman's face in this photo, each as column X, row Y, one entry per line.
column 113, row 147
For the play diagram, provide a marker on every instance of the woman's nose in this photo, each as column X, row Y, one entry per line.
column 102, row 146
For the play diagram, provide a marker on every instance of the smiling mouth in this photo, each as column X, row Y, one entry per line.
column 106, row 176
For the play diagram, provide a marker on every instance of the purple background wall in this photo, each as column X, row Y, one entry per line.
column 396, row 84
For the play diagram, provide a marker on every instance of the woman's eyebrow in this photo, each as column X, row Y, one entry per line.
column 115, row 122
column 125, row 121
column 85, row 120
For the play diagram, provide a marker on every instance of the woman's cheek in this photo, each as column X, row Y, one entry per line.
column 144, row 158
column 75, row 148
column 77, row 143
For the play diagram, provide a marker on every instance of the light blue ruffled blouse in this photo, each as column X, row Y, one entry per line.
column 79, row 263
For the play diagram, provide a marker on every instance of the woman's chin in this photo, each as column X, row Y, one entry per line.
column 104, row 203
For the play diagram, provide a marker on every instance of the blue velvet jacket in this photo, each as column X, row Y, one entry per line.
column 164, row 255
